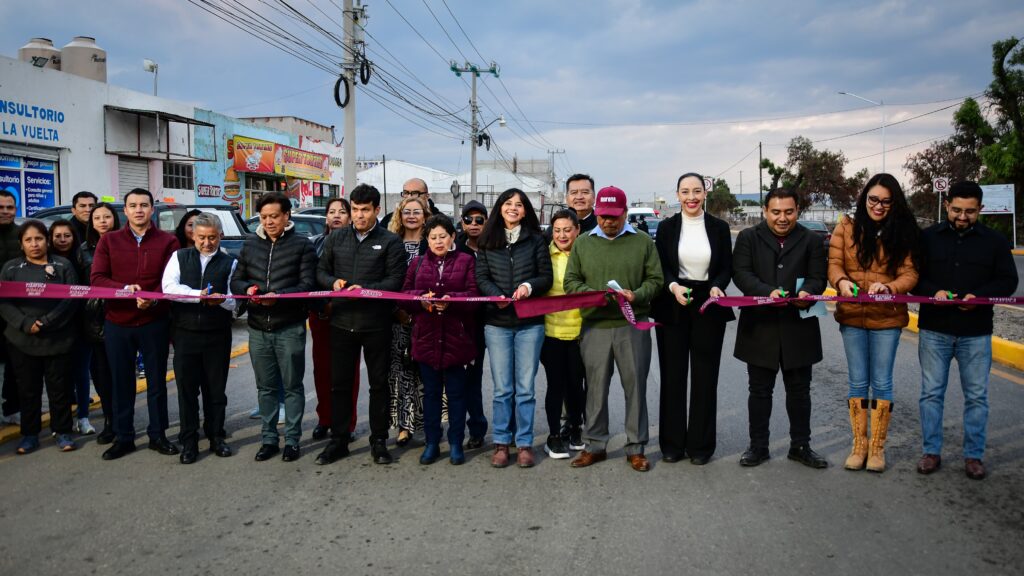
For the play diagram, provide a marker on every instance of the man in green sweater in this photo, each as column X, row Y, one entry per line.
column 615, row 255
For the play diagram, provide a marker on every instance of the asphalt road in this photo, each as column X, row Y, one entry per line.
column 146, row 513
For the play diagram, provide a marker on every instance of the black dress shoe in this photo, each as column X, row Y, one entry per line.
column 291, row 453
column 189, row 455
column 379, row 452
column 700, row 460
column 163, row 446
column 754, row 456
column 118, row 450
column 220, row 448
column 334, row 451
column 807, row 457
column 320, row 432
column 671, row 457
column 475, row 442
column 266, row 452
column 105, row 437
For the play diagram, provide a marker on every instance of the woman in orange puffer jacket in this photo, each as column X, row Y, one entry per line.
column 873, row 253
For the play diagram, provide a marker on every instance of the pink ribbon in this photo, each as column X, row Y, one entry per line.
column 744, row 301
column 524, row 308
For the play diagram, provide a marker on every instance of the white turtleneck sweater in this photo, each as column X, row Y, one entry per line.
column 694, row 249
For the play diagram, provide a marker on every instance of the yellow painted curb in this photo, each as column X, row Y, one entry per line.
column 1017, row 251
column 8, row 433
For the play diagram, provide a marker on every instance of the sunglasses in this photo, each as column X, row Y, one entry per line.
column 478, row 220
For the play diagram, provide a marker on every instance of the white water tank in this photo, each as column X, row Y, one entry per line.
column 40, row 48
column 82, row 57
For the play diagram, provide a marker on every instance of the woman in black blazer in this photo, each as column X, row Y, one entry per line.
column 695, row 249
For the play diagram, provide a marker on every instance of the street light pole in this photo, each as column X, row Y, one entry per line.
column 880, row 104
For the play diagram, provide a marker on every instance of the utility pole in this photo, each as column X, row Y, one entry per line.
column 554, row 182
column 741, row 182
column 350, row 16
column 474, row 71
column 760, row 174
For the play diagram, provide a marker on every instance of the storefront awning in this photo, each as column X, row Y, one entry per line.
column 154, row 134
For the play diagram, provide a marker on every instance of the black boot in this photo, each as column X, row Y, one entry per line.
column 107, row 435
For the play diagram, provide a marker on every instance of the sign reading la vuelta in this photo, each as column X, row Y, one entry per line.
column 252, row 155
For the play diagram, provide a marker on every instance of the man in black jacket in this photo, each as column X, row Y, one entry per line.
column 363, row 255
column 768, row 260
column 202, row 334
column 960, row 259
column 275, row 260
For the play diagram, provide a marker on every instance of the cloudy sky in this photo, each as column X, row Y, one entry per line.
column 635, row 92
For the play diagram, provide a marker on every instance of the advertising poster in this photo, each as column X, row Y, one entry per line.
column 10, row 180
column 40, row 192
column 253, row 155
column 301, row 163
column 997, row 199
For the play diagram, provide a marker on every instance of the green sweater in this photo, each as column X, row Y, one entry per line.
column 631, row 260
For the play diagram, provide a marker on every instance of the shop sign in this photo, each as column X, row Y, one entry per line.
column 10, row 180
column 208, row 191
column 252, row 155
column 301, row 163
column 30, row 122
column 39, row 191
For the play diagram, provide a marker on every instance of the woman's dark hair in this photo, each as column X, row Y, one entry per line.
column 567, row 214
column 75, row 240
column 348, row 207
column 92, row 237
column 691, row 175
column 897, row 234
column 493, row 236
column 31, row 225
column 439, row 220
column 179, row 232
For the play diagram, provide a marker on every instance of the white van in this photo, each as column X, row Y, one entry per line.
column 635, row 212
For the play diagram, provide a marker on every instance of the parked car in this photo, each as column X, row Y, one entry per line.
column 314, row 211
column 166, row 218
column 306, row 225
column 819, row 228
column 652, row 226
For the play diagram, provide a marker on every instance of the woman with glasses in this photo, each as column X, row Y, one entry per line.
column 874, row 253
column 404, row 378
column 40, row 337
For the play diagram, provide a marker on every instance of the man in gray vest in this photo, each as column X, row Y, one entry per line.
column 201, row 331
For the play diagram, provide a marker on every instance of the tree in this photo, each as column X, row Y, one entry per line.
column 817, row 175
column 721, row 200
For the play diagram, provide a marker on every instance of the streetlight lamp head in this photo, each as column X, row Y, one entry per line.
column 149, row 66
column 501, row 121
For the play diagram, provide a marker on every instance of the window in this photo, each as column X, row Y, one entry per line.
column 179, row 176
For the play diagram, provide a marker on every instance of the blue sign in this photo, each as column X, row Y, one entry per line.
column 10, row 161
column 10, row 180
column 39, row 191
column 31, row 164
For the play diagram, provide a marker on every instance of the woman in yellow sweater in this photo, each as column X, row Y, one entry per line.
column 560, row 353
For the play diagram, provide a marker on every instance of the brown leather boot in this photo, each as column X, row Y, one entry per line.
column 500, row 457
column 859, row 423
column 881, row 412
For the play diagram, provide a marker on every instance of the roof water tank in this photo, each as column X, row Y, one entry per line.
column 82, row 57
column 40, row 48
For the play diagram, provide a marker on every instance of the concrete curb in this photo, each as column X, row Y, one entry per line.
column 1005, row 352
column 8, row 433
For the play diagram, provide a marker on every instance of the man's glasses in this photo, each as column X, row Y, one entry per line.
column 478, row 220
column 412, row 212
column 412, row 193
column 875, row 201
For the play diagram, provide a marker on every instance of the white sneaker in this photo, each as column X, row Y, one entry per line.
column 83, row 427
column 13, row 419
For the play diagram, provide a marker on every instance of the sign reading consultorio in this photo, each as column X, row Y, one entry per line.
column 252, row 155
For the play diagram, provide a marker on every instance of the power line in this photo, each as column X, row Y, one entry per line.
column 736, row 163
column 463, row 31
column 443, row 29
column 900, row 147
column 279, row 98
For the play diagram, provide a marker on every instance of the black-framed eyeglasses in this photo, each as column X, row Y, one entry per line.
column 478, row 220
column 412, row 193
column 875, row 201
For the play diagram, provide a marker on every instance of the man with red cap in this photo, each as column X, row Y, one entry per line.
column 614, row 255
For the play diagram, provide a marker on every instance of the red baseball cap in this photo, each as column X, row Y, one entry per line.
column 610, row 201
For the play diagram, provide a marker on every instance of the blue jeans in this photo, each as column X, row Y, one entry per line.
column 280, row 356
column 450, row 381
column 515, row 355
column 870, row 356
column 974, row 358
